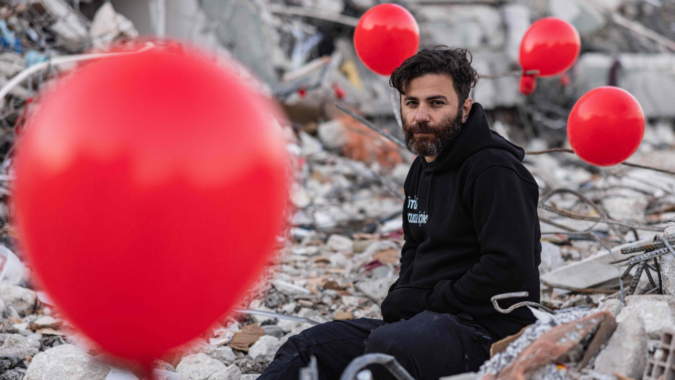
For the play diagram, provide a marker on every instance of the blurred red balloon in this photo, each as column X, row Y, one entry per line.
column 386, row 35
column 551, row 46
column 150, row 188
column 606, row 126
column 527, row 85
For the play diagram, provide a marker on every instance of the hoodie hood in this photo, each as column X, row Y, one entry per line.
column 474, row 137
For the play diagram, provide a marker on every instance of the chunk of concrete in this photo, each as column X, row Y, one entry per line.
column 265, row 348
column 340, row 243
column 21, row 346
column 614, row 306
column 656, row 311
column 332, row 134
column 626, row 350
column 551, row 258
column 65, row 362
column 594, row 271
column 203, row 367
column 376, row 289
column 21, row 299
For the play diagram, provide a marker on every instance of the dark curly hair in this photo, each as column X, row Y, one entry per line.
column 438, row 60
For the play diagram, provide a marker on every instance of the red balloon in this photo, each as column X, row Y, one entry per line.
column 150, row 189
column 386, row 35
column 606, row 126
column 551, row 45
column 527, row 84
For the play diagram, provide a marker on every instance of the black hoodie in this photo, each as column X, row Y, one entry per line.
column 471, row 232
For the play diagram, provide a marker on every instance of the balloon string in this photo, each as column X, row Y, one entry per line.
column 401, row 144
column 630, row 164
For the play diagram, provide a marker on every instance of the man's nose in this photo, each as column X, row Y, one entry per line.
column 422, row 114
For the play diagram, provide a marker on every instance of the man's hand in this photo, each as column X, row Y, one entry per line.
column 404, row 303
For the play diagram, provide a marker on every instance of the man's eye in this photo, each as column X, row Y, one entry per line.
column 437, row 103
column 411, row 103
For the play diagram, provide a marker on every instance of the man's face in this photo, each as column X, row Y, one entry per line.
column 431, row 114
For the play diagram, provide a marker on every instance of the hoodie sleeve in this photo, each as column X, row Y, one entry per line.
column 407, row 252
column 504, row 208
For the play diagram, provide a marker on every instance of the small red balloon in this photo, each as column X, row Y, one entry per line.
column 385, row 36
column 565, row 80
column 339, row 92
column 606, row 126
column 527, row 84
column 551, row 46
column 150, row 190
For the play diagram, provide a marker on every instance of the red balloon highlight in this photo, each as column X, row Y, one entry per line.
column 385, row 36
column 150, row 189
column 551, row 46
column 606, row 126
column 527, row 84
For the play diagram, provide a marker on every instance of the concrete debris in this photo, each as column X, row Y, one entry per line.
column 265, row 348
column 65, row 362
column 21, row 299
column 203, row 367
column 550, row 257
column 626, row 351
column 21, row 346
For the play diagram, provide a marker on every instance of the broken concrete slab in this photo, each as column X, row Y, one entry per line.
column 657, row 312
column 592, row 272
column 65, row 362
column 626, row 350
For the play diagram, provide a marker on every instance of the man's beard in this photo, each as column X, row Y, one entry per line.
column 442, row 135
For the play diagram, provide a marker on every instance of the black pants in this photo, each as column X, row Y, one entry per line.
column 428, row 346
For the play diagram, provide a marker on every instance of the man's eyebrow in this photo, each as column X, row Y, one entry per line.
column 437, row 97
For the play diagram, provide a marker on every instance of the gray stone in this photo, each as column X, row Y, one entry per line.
column 332, row 134
column 551, row 258
column 614, row 306
column 274, row 330
column 340, row 243
column 203, row 367
column 250, row 376
column 376, row 289
column 65, row 362
column 265, row 348
column 290, row 289
column 21, row 346
column 656, row 311
column 626, row 350
column 223, row 354
column 338, row 260
column 21, row 299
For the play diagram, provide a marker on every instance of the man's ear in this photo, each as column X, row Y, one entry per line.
column 466, row 108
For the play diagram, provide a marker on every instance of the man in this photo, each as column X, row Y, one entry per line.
column 471, row 231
